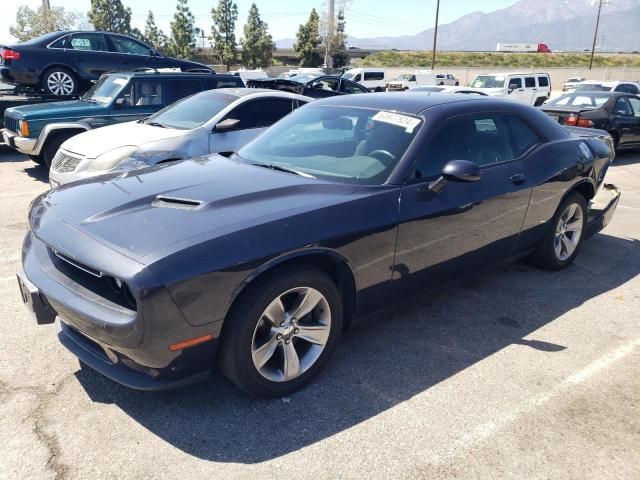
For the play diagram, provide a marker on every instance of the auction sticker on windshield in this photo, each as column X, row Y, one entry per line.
column 405, row 121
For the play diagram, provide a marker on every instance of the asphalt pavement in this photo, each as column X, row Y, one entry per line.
column 514, row 373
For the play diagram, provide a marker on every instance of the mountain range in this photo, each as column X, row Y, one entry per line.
column 565, row 25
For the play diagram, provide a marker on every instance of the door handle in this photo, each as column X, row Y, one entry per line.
column 518, row 178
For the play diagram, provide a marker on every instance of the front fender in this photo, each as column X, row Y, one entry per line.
column 56, row 127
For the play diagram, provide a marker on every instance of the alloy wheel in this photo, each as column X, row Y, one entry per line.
column 568, row 232
column 60, row 83
column 291, row 334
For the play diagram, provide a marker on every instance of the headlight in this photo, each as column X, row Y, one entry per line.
column 23, row 128
column 110, row 159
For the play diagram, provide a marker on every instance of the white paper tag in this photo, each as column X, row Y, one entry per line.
column 409, row 123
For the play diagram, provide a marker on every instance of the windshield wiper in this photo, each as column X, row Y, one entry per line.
column 156, row 124
column 281, row 168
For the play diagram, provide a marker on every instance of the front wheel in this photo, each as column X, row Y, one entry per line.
column 564, row 237
column 37, row 158
column 281, row 332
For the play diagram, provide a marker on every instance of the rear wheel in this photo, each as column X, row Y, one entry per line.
column 281, row 332
column 564, row 237
column 59, row 81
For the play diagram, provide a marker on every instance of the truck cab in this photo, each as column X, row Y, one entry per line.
column 39, row 129
column 530, row 88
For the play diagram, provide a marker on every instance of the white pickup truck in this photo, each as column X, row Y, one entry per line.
column 419, row 78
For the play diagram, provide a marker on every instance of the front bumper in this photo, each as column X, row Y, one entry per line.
column 22, row 144
column 602, row 208
column 130, row 347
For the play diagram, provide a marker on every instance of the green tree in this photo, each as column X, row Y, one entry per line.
column 223, row 35
column 257, row 44
column 338, row 47
column 153, row 35
column 111, row 16
column 307, row 46
column 183, row 35
column 33, row 23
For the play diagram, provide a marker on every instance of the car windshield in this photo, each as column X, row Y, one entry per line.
column 405, row 77
column 106, row 89
column 592, row 87
column 193, row 111
column 488, row 81
column 580, row 100
column 341, row 144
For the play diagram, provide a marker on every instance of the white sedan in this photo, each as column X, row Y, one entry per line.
column 214, row 121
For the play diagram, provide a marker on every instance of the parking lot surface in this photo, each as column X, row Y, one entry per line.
column 515, row 373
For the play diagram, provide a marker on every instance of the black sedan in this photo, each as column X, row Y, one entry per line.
column 617, row 113
column 64, row 63
column 313, row 86
column 256, row 263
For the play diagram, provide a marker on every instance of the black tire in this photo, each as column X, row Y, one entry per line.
column 457, row 84
column 545, row 255
column 616, row 139
column 52, row 144
column 69, row 87
column 235, row 359
column 540, row 101
column 378, row 90
column 37, row 158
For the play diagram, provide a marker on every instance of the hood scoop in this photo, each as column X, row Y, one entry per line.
column 174, row 202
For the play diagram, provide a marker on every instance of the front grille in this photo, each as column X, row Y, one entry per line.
column 64, row 163
column 11, row 123
column 105, row 286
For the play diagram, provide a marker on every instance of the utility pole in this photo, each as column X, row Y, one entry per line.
column 595, row 35
column 435, row 36
column 331, row 17
column 45, row 5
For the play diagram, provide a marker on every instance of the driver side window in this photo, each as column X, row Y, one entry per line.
column 483, row 139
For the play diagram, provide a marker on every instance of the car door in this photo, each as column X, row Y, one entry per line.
column 530, row 90
column 515, row 90
column 254, row 116
column 634, row 125
column 139, row 99
column 90, row 55
column 130, row 53
column 625, row 121
column 466, row 225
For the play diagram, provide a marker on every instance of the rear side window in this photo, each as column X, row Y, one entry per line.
column 635, row 104
column 622, row 107
column 522, row 137
column 88, row 41
column 530, row 82
column 626, row 88
column 543, row 81
column 60, row 43
column 260, row 113
column 374, row 76
column 178, row 88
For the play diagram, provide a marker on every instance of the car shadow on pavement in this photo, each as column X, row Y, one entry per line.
column 35, row 171
column 626, row 157
column 384, row 359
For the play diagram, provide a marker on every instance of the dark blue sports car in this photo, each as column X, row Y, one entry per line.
column 257, row 262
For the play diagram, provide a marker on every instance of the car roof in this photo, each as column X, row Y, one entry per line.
column 258, row 92
column 163, row 74
column 413, row 103
column 504, row 74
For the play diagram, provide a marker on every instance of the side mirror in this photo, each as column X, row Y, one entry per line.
column 513, row 86
column 461, row 171
column 119, row 103
column 226, row 125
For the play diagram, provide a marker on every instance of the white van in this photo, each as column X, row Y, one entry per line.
column 371, row 78
column 530, row 88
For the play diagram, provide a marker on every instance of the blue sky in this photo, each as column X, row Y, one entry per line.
column 365, row 18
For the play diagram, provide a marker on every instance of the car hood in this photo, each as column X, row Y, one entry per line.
column 146, row 214
column 96, row 142
column 66, row 110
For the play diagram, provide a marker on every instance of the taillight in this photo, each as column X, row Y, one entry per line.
column 571, row 120
column 10, row 54
column 584, row 122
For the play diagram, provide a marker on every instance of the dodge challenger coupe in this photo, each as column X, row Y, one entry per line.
column 257, row 262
